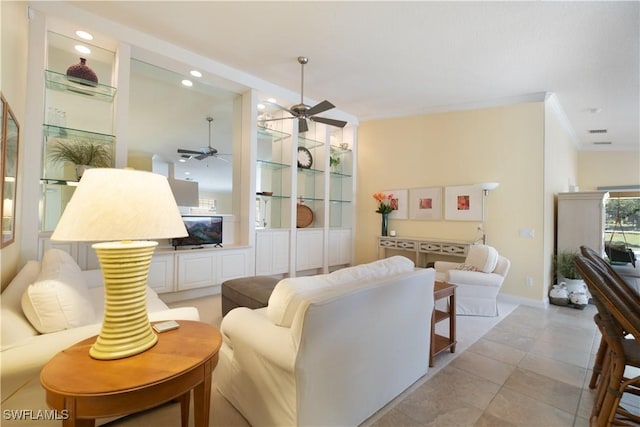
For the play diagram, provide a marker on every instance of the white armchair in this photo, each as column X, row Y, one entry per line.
column 479, row 280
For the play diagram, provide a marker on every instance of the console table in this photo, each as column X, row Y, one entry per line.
column 423, row 246
column 84, row 389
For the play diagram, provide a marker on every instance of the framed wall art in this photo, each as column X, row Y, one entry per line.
column 425, row 203
column 398, row 204
column 463, row 203
column 9, row 172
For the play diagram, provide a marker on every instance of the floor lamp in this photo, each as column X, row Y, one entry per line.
column 486, row 187
column 122, row 208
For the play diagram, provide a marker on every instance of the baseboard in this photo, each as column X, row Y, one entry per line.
column 524, row 301
column 190, row 294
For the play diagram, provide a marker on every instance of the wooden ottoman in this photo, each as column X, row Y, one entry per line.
column 250, row 292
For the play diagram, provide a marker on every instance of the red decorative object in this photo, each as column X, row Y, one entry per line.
column 81, row 73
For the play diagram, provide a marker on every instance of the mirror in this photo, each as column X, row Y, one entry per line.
column 9, row 171
column 165, row 116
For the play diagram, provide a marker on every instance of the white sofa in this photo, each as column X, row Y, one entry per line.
column 329, row 350
column 478, row 279
column 24, row 350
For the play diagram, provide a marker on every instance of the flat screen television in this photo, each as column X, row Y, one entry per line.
column 203, row 230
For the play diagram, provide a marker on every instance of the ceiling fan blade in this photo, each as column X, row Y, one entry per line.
column 281, row 107
column 332, row 122
column 202, row 156
column 302, row 125
column 319, row 108
column 217, row 156
column 183, row 151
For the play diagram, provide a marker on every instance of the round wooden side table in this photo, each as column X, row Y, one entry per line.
column 83, row 388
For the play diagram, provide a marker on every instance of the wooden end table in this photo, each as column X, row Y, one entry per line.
column 182, row 360
column 440, row 343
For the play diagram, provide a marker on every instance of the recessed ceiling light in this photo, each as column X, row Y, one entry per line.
column 82, row 49
column 187, row 83
column 84, row 35
column 195, row 73
column 261, row 107
column 272, row 100
column 187, row 173
column 182, row 160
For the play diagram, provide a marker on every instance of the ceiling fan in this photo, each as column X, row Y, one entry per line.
column 303, row 112
column 203, row 152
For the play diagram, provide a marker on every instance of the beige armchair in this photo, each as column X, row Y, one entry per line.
column 479, row 280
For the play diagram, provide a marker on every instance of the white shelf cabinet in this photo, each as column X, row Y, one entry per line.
column 272, row 252
column 309, row 249
column 209, row 267
column 340, row 248
column 162, row 273
column 581, row 219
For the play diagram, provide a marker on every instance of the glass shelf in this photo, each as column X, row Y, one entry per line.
column 308, row 171
column 309, row 143
column 48, row 181
column 59, row 82
column 339, row 150
column 273, row 196
column 274, row 135
column 51, row 131
column 340, row 175
column 339, row 201
column 272, row 165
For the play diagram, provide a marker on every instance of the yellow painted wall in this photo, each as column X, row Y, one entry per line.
column 608, row 168
column 13, row 84
column 561, row 171
column 502, row 144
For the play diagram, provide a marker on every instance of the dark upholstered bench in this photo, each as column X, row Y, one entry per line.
column 251, row 292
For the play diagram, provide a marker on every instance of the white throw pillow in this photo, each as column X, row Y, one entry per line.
column 484, row 258
column 59, row 298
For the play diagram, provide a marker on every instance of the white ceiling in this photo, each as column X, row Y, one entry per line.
column 387, row 59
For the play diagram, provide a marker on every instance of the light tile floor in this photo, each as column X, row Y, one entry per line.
column 531, row 369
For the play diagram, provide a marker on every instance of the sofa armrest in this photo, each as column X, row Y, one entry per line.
column 475, row 278
column 251, row 332
column 444, row 266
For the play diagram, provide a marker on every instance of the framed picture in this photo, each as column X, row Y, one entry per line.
column 9, row 170
column 398, row 204
column 463, row 203
column 425, row 203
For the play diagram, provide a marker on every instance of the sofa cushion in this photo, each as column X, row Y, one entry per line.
column 59, row 298
column 288, row 293
column 286, row 297
column 484, row 258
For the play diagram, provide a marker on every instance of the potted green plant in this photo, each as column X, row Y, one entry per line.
column 567, row 272
column 334, row 162
column 83, row 154
column 565, row 265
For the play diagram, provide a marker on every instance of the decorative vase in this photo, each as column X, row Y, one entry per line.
column 385, row 224
column 81, row 73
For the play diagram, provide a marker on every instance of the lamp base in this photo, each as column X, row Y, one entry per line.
column 126, row 330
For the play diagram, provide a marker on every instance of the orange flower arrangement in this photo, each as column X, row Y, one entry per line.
column 384, row 202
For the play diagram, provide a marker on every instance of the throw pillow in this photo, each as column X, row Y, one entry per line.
column 483, row 257
column 59, row 298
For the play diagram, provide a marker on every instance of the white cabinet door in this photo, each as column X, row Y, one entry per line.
column 309, row 249
column 196, row 270
column 272, row 252
column 233, row 264
column 161, row 273
column 339, row 247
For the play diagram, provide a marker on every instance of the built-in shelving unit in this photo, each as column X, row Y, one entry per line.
column 74, row 112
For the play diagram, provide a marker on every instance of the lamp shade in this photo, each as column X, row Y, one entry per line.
column 120, row 204
column 489, row 185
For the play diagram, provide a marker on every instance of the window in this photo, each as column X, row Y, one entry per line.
column 623, row 219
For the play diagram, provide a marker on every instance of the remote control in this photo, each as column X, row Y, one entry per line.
column 166, row 326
